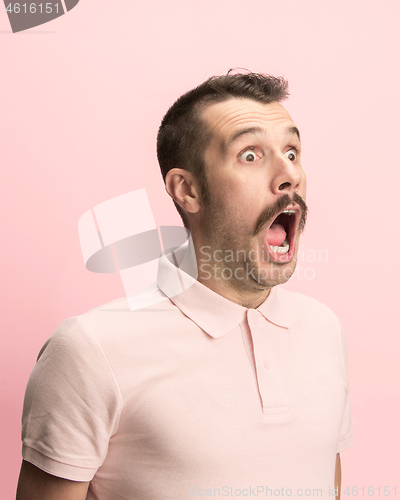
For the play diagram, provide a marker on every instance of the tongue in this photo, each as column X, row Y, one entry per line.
column 276, row 235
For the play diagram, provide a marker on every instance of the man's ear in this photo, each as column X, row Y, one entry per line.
column 183, row 188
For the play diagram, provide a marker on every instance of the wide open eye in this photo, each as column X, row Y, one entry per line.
column 249, row 156
column 291, row 154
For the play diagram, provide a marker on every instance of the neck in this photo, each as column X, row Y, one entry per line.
column 229, row 279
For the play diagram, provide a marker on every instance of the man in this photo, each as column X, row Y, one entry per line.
column 231, row 386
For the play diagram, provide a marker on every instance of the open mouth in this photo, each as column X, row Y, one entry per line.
column 280, row 236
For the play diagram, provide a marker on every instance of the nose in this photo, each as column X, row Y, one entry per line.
column 288, row 176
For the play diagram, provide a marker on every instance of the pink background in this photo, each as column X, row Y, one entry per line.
column 81, row 101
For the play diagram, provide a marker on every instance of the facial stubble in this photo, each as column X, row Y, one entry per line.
column 241, row 270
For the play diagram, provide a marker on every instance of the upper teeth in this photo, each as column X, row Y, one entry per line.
column 290, row 212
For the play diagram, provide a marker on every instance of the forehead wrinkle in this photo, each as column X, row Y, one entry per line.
column 256, row 126
column 240, row 117
column 253, row 130
column 258, row 116
column 242, row 113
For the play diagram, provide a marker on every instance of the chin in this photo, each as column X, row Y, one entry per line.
column 274, row 274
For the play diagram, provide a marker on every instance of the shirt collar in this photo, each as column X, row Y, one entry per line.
column 213, row 313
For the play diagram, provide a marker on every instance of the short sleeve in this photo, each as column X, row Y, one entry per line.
column 346, row 430
column 72, row 405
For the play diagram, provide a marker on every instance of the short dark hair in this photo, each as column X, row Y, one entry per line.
column 183, row 137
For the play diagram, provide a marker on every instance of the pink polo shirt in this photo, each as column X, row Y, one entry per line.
column 193, row 396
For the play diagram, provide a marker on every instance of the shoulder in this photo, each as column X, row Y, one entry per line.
column 75, row 338
column 303, row 309
column 118, row 328
column 316, row 324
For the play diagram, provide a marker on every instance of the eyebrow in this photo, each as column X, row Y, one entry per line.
column 294, row 130
column 256, row 130
column 239, row 133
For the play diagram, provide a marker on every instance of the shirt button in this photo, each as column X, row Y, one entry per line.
column 266, row 364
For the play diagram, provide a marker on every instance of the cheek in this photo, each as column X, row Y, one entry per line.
column 242, row 203
column 244, row 189
column 239, row 194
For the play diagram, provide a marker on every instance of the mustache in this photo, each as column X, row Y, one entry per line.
column 278, row 207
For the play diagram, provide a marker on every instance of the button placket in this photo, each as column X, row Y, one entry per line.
column 269, row 378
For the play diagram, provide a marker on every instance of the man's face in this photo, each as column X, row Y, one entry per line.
column 254, row 173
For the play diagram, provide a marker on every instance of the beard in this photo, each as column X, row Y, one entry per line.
column 234, row 257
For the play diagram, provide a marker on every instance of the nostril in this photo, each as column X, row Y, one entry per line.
column 284, row 185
